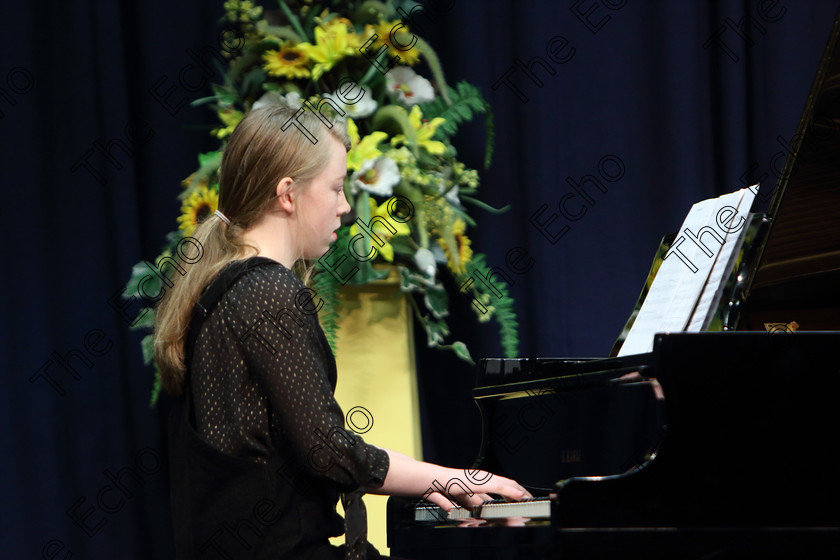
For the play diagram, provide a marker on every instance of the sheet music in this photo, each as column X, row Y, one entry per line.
column 733, row 231
column 688, row 279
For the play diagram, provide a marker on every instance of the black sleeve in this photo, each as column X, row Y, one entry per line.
column 286, row 353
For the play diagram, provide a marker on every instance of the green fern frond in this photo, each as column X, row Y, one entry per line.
column 500, row 308
column 467, row 101
column 490, row 130
column 505, row 317
column 156, row 387
column 326, row 289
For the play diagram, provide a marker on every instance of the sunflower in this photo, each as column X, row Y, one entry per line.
column 458, row 263
column 196, row 208
column 288, row 61
column 408, row 55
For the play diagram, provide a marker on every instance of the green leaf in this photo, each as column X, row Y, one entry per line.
column 210, row 158
column 460, row 350
column 466, row 102
column 437, row 301
column 436, row 330
column 293, row 19
column 203, row 101
column 367, row 273
column 395, row 119
column 138, row 271
column 411, row 281
column 209, row 164
column 148, row 347
column 226, row 96
column 156, row 387
column 490, row 129
column 283, row 32
column 326, row 288
column 434, row 65
column 253, row 80
column 500, row 308
column 403, row 245
column 484, row 205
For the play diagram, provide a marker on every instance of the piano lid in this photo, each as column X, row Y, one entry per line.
column 804, row 236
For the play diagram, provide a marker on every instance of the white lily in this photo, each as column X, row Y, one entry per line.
column 409, row 87
column 451, row 195
column 376, row 176
column 291, row 99
column 425, row 261
column 364, row 107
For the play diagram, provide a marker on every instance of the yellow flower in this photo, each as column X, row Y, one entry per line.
column 288, row 61
column 458, row 262
column 409, row 55
column 354, row 41
column 333, row 42
column 231, row 118
column 425, row 131
column 386, row 251
column 362, row 149
column 196, row 208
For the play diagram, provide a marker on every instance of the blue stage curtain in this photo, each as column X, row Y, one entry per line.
column 647, row 106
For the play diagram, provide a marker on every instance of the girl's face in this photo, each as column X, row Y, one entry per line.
column 322, row 204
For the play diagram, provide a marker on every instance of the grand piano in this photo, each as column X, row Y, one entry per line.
column 719, row 444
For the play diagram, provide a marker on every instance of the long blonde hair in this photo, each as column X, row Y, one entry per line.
column 258, row 154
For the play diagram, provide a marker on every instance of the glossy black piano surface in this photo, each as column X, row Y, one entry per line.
column 750, row 457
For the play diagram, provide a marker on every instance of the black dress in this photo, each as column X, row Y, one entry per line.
column 258, row 449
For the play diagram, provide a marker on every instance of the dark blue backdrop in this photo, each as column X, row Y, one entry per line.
column 663, row 102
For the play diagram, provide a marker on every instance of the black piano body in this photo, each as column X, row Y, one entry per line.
column 741, row 459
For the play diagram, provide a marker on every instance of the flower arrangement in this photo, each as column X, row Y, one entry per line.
column 401, row 126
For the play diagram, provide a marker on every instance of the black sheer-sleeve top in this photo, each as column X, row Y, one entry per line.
column 263, row 380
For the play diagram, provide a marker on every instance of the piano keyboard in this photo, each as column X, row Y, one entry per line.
column 533, row 508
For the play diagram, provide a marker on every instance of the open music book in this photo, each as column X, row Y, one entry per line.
column 689, row 284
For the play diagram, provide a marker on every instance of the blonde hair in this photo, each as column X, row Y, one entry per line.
column 265, row 147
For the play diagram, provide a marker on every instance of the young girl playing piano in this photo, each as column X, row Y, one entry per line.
column 258, row 450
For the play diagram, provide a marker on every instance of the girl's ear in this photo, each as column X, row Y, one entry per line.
column 285, row 194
